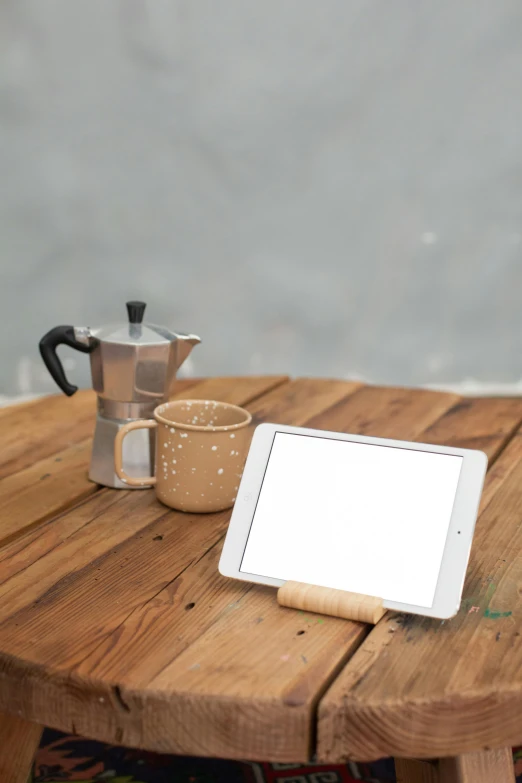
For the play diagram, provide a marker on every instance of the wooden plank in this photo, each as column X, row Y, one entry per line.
column 38, row 429
column 239, row 390
column 488, row 420
column 246, row 686
column 63, row 547
column 76, row 539
column 414, row 771
column 44, row 427
column 386, row 412
column 300, row 658
column 426, row 688
column 36, row 507
column 501, row 468
column 35, row 494
column 132, row 570
column 487, row 766
column 302, row 397
column 18, row 745
column 53, row 484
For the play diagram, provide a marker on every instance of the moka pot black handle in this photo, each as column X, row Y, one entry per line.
column 60, row 335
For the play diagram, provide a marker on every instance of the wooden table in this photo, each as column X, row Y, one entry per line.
column 115, row 623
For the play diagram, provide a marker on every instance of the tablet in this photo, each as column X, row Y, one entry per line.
column 385, row 518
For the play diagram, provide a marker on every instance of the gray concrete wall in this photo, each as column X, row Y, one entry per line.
column 324, row 188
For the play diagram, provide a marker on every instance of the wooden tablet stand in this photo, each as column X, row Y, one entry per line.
column 325, row 600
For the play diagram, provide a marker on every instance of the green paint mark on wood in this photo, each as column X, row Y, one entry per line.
column 307, row 619
column 496, row 615
column 493, row 615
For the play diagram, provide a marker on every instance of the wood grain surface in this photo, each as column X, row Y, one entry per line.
column 415, row 771
column 140, row 626
column 43, row 488
column 335, row 603
column 419, row 687
column 490, row 766
column 115, row 623
column 18, row 743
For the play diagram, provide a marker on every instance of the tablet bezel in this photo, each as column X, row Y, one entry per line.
column 448, row 591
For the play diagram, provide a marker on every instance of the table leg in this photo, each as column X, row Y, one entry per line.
column 488, row 766
column 18, row 744
column 413, row 771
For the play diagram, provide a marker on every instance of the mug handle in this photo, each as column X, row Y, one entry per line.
column 118, row 453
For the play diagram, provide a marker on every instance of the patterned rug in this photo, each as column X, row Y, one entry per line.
column 74, row 759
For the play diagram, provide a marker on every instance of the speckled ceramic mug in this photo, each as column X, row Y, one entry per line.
column 201, row 448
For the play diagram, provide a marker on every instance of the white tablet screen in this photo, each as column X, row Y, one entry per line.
column 357, row 517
